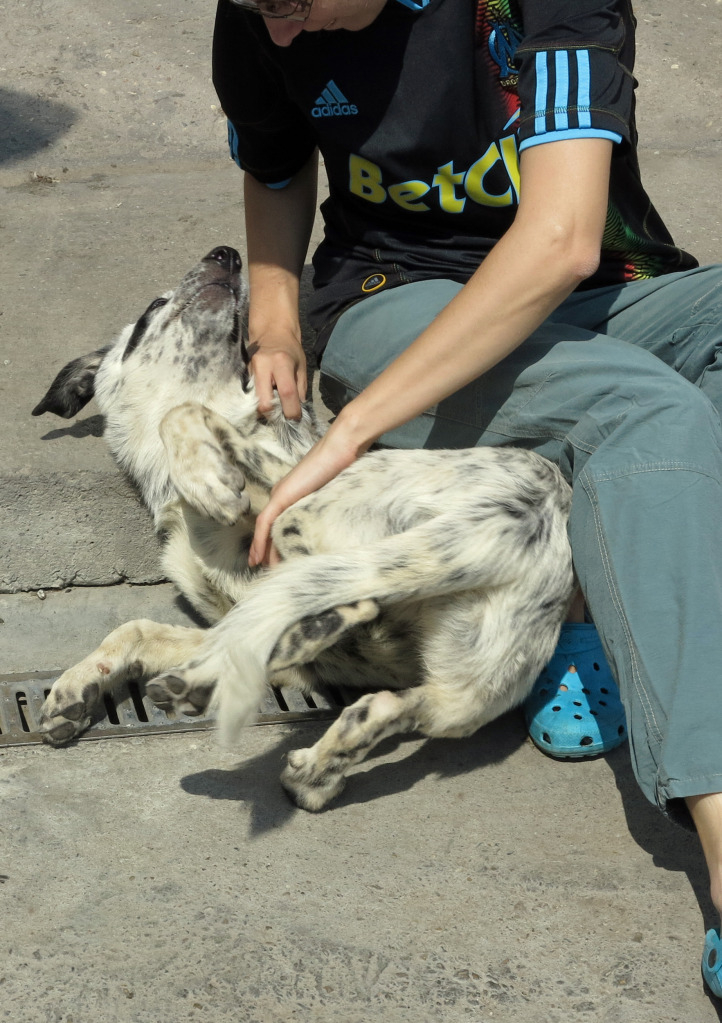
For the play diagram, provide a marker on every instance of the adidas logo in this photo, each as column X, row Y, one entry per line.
column 333, row 103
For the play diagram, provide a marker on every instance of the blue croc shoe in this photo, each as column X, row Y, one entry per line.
column 574, row 709
column 712, row 962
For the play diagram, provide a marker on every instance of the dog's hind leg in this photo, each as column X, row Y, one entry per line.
column 313, row 777
column 136, row 649
column 437, row 709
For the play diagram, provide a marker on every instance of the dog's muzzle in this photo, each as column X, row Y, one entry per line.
column 227, row 257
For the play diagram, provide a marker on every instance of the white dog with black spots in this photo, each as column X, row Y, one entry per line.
column 441, row 576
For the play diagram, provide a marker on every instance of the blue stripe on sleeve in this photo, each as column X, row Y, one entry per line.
column 571, row 133
column 561, row 93
column 585, row 78
column 540, row 100
column 233, row 143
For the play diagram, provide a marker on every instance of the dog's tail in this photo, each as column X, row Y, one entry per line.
column 304, row 605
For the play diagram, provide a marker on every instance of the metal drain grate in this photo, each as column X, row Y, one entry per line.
column 130, row 712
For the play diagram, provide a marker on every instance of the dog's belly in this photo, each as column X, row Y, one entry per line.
column 388, row 492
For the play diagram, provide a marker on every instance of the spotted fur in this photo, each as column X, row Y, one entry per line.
column 442, row 576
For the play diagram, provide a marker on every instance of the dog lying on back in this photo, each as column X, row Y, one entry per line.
column 443, row 576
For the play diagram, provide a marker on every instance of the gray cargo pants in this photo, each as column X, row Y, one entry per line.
column 622, row 387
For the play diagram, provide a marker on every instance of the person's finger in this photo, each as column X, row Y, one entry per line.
column 326, row 459
column 302, row 382
column 287, row 388
column 279, row 371
column 264, row 384
column 259, row 551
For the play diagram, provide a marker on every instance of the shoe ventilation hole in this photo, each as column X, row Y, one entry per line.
column 603, row 690
column 543, row 692
column 547, row 738
column 577, row 703
column 586, row 741
column 556, row 708
column 602, row 703
column 563, row 688
column 577, row 717
column 620, row 730
column 572, row 668
column 585, row 691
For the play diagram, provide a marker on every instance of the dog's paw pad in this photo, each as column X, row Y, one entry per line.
column 196, row 701
column 59, row 731
column 173, row 691
column 160, row 693
column 75, row 712
column 67, row 712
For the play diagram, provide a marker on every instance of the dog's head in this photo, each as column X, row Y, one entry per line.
column 186, row 346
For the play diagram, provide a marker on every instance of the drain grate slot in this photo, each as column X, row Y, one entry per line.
column 21, row 702
column 137, row 698
column 129, row 711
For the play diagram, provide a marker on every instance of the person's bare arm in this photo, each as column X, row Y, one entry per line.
column 278, row 230
column 553, row 245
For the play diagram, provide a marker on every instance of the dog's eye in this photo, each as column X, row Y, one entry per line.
column 156, row 304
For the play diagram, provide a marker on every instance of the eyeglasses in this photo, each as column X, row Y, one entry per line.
column 291, row 10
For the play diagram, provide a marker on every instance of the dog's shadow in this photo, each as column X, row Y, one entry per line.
column 91, row 426
column 255, row 781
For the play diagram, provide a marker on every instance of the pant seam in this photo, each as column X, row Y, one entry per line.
column 586, row 482
column 644, row 467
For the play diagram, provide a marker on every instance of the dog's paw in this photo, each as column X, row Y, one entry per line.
column 202, row 469
column 219, row 494
column 309, row 787
column 175, row 691
column 67, row 712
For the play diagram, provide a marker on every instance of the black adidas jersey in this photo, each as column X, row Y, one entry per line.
column 420, row 119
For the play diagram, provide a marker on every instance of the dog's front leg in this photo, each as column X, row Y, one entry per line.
column 213, row 469
column 202, row 468
column 136, row 649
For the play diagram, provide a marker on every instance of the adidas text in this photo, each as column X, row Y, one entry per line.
column 334, row 110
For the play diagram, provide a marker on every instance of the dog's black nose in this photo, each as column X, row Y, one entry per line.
column 227, row 257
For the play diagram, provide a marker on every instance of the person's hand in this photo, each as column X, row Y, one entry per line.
column 333, row 453
column 279, row 364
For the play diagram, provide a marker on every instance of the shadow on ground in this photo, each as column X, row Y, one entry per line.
column 29, row 124
column 255, row 781
column 671, row 846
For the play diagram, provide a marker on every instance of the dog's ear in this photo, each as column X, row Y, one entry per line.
column 73, row 387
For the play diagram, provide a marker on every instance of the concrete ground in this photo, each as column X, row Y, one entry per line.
column 162, row 879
